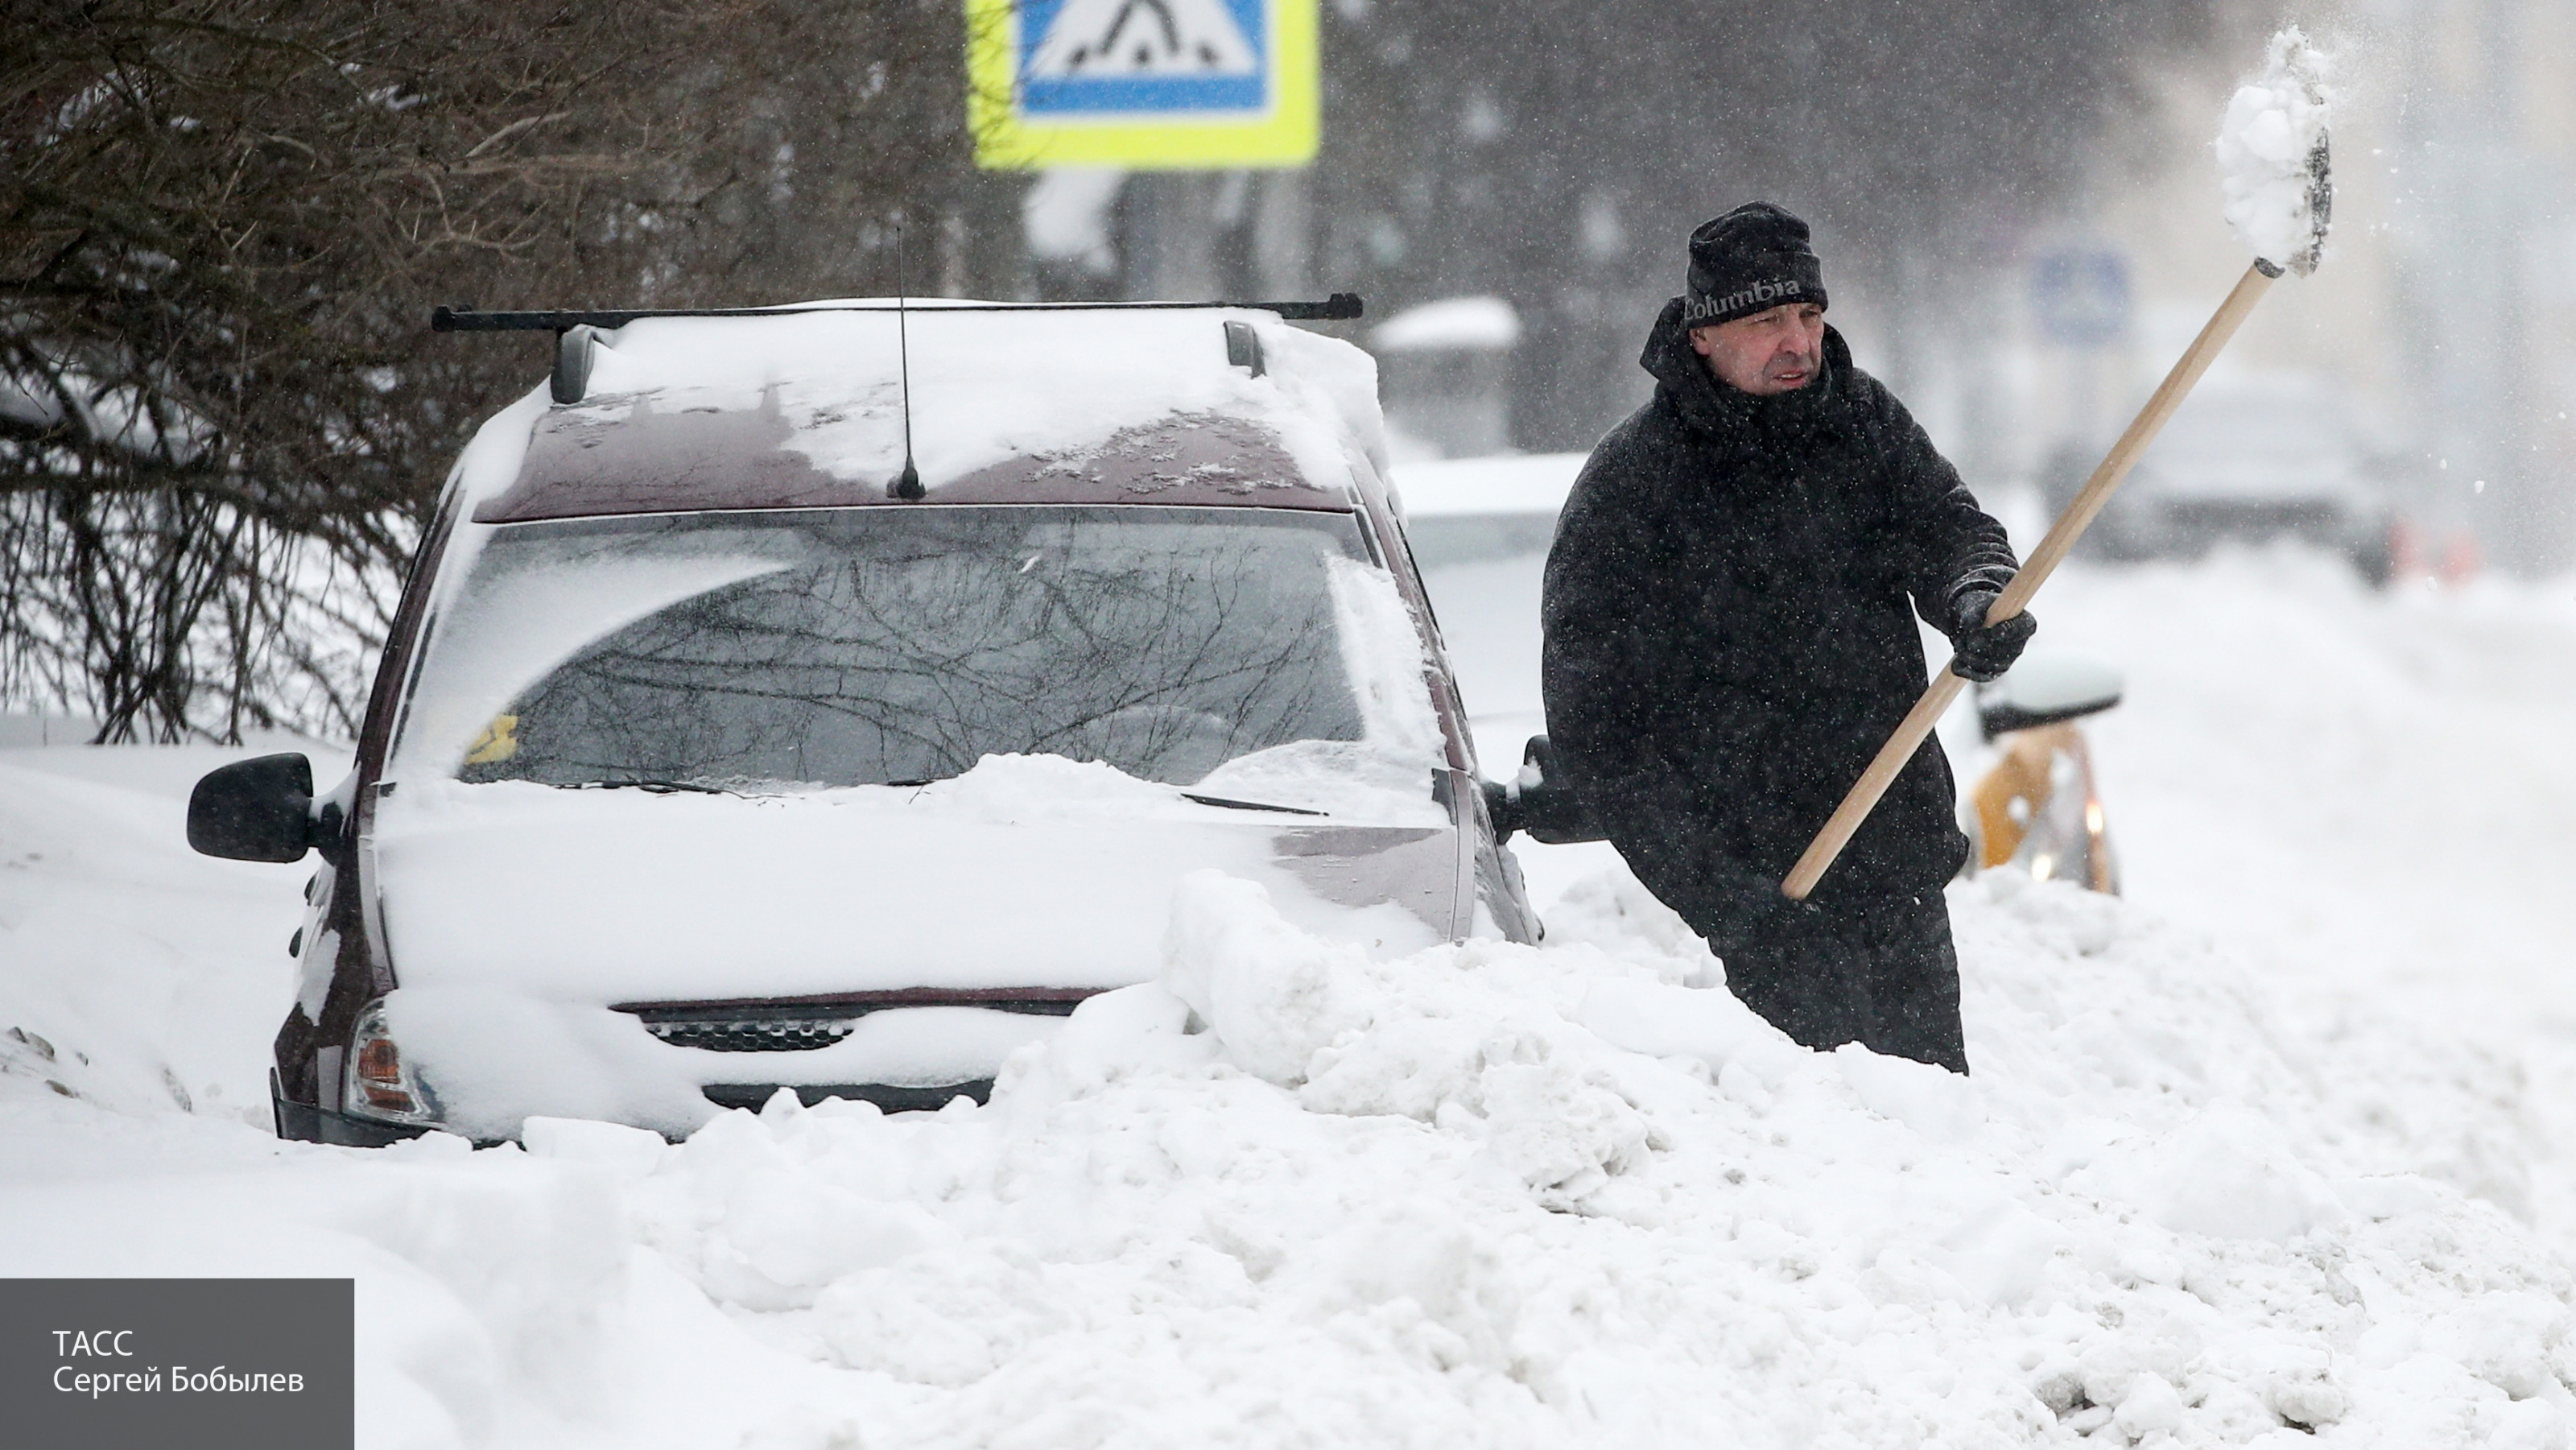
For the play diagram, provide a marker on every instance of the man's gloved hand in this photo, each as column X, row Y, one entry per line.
column 1982, row 651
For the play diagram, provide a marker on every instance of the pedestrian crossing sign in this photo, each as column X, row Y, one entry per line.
column 1150, row 85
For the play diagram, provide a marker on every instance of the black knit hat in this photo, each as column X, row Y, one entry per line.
column 1750, row 260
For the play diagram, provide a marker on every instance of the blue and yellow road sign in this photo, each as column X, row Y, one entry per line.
column 2081, row 295
column 1150, row 85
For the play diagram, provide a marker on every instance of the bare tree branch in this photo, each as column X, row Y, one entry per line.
column 223, row 224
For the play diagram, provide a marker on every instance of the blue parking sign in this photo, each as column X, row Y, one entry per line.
column 2081, row 295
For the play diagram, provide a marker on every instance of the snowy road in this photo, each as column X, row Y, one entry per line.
column 2362, row 790
column 2272, row 1143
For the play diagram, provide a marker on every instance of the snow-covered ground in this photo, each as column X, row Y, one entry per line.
column 2272, row 1143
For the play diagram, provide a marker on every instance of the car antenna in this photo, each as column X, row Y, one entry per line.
column 907, row 484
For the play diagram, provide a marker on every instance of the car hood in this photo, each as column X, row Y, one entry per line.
column 520, row 920
column 622, row 896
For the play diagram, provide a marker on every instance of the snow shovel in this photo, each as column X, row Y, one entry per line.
column 2273, row 153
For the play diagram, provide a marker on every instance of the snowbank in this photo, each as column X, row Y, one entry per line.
column 1486, row 1195
column 134, row 973
column 2274, row 132
column 1499, row 1195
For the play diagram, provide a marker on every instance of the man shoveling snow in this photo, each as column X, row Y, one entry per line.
column 1725, row 607
column 1729, row 637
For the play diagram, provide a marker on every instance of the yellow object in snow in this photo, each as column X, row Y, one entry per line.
column 2038, row 808
column 499, row 741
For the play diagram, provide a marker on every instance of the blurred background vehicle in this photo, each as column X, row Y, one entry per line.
column 2251, row 457
column 1445, row 370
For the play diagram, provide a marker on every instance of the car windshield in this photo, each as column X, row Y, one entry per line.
column 888, row 645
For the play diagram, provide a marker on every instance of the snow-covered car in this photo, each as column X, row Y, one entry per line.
column 703, row 762
column 2253, row 457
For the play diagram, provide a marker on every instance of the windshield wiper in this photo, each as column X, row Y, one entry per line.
column 1236, row 805
column 656, row 787
column 1227, row 802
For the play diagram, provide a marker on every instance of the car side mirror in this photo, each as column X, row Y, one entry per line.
column 259, row 810
column 1541, row 800
column 2045, row 689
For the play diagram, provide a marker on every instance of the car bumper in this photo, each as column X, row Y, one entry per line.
column 305, row 1123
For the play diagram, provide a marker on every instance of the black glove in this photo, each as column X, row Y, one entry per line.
column 1982, row 651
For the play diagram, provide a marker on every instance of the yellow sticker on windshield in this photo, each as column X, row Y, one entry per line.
column 499, row 741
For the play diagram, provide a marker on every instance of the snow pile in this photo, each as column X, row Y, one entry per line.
column 2271, row 156
column 2381, row 794
column 120, row 982
column 1503, row 1195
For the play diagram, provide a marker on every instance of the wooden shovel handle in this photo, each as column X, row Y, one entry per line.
column 2043, row 561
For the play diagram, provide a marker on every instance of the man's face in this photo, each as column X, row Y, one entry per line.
column 1779, row 351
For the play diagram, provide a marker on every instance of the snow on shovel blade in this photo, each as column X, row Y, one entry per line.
column 2272, row 158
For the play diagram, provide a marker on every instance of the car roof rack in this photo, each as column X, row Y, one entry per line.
column 1340, row 307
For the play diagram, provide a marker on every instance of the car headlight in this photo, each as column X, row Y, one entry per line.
column 377, row 1083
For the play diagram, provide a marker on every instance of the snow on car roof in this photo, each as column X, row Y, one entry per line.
column 804, row 409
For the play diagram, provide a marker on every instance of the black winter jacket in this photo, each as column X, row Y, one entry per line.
column 1730, row 636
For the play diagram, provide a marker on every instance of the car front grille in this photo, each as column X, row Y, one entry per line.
column 889, row 1097
column 802, row 1024
column 752, row 1034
